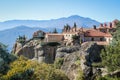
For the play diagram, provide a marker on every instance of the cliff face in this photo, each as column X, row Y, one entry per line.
column 76, row 59
column 33, row 49
column 79, row 59
column 27, row 50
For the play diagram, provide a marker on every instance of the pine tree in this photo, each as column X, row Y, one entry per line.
column 75, row 26
column 55, row 31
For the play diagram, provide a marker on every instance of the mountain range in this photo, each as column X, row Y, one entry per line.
column 53, row 23
column 10, row 30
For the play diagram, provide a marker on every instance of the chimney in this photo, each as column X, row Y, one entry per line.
column 110, row 24
column 94, row 26
column 105, row 25
column 101, row 25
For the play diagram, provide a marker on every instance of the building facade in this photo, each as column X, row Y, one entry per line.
column 100, row 34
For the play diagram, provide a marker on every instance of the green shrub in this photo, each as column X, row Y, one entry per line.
column 5, row 59
column 80, row 75
column 58, row 63
column 111, row 57
column 97, row 64
column 24, row 69
column 21, row 69
column 75, row 37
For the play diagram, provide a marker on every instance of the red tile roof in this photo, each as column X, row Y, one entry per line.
column 54, row 34
column 96, row 33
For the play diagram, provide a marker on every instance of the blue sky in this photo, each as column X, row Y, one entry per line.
column 100, row 10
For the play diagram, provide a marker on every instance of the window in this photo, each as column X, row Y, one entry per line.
column 92, row 39
column 101, row 39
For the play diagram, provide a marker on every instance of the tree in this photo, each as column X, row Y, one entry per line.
column 64, row 29
column 111, row 54
column 21, row 69
column 116, row 34
column 5, row 59
column 75, row 37
column 94, row 26
column 55, row 31
column 111, row 57
column 75, row 26
column 24, row 69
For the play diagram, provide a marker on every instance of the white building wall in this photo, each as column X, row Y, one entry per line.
column 108, row 39
column 68, row 36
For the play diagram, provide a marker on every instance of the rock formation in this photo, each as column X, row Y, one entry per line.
column 36, row 50
column 27, row 49
column 79, row 58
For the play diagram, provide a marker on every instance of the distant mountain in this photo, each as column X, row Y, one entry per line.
column 58, row 23
column 9, row 36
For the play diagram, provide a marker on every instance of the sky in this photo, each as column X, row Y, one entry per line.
column 100, row 10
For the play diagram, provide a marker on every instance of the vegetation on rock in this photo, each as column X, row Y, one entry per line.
column 80, row 75
column 58, row 63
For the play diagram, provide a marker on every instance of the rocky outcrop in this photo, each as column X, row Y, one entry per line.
column 71, row 56
column 36, row 50
column 70, row 66
column 27, row 50
column 62, row 51
column 78, row 58
column 17, row 46
column 89, row 53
